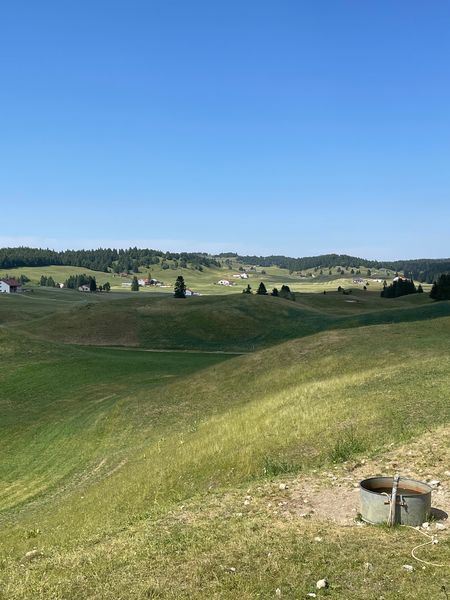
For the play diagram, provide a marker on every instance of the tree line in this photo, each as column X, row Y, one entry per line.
column 425, row 270
column 129, row 260
column 101, row 259
column 400, row 287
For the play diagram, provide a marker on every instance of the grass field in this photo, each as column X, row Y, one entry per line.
column 237, row 322
column 206, row 281
column 131, row 474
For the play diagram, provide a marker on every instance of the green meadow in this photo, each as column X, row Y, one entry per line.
column 206, row 281
column 143, row 440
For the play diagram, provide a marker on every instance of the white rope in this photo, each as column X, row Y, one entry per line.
column 432, row 540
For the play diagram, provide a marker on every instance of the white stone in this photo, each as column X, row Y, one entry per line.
column 322, row 584
column 440, row 526
column 283, row 486
column 318, row 539
column 408, row 568
column 312, row 595
column 278, row 592
column 33, row 554
column 435, row 483
column 425, row 525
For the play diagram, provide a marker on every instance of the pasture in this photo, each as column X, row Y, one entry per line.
column 134, row 474
column 206, row 281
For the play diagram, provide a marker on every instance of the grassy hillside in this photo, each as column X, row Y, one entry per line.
column 237, row 322
column 206, row 281
column 128, row 471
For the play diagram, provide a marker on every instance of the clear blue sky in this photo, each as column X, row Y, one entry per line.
column 264, row 127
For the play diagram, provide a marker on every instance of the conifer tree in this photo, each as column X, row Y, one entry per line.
column 261, row 291
column 134, row 284
column 180, row 287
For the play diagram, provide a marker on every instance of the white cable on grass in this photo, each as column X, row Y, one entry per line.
column 433, row 540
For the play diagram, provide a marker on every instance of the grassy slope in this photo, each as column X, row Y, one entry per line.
column 109, row 532
column 235, row 322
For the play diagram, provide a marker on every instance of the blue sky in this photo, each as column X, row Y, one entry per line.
column 263, row 127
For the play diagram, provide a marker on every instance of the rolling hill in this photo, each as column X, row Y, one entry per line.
column 237, row 322
column 138, row 474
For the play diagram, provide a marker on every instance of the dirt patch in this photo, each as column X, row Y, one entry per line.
column 334, row 495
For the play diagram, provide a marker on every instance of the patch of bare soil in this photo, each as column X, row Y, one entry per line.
column 334, row 495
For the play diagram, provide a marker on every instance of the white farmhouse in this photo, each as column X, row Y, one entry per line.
column 10, row 286
column 224, row 282
column 84, row 288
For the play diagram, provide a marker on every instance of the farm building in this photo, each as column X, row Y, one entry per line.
column 10, row 286
column 84, row 288
column 224, row 282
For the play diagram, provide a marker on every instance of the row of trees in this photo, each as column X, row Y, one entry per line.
column 400, row 287
column 284, row 292
column 47, row 281
column 75, row 281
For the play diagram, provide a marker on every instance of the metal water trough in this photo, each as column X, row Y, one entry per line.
column 412, row 501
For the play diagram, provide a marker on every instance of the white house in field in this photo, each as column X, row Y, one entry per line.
column 224, row 282
column 10, row 286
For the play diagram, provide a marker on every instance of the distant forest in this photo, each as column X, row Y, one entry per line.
column 129, row 260
column 102, row 259
column 422, row 269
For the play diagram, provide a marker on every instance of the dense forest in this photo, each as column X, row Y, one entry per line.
column 129, row 260
column 102, row 259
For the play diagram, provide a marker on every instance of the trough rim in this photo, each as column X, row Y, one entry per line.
column 406, row 479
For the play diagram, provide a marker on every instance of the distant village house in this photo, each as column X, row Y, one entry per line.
column 10, row 286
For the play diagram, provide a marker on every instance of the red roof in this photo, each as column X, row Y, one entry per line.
column 11, row 282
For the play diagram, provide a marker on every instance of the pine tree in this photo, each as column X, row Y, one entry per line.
column 274, row 292
column 134, row 284
column 106, row 287
column 441, row 288
column 180, row 288
column 248, row 290
column 92, row 284
column 261, row 291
